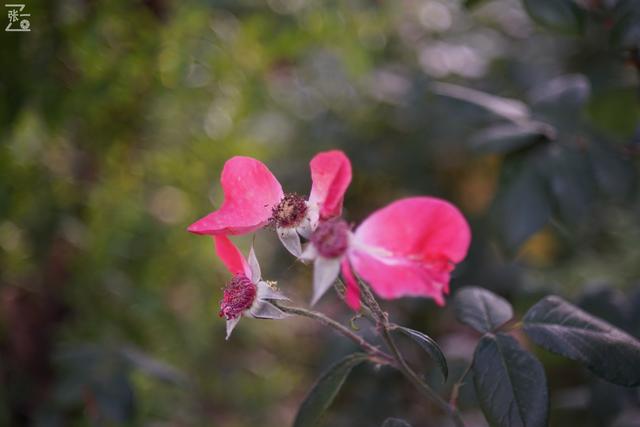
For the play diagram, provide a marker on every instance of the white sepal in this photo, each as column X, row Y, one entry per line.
column 309, row 254
column 266, row 292
column 231, row 323
column 325, row 272
column 254, row 266
column 291, row 240
column 266, row 310
column 310, row 221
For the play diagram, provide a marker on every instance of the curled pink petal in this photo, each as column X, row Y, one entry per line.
column 250, row 192
column 410, row 247
column 419, row 228
column 390, row 279
column 231, row 256
column 352, row 293
column 330, row 176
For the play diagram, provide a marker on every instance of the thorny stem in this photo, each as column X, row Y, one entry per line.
column 455, row 391
column 376, row 355
column 419, row 383
column 340, row 288
column 385, row 327
column 373, row 311
column 511, row 326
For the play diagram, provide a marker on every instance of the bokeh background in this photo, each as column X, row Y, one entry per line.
column 117, row 116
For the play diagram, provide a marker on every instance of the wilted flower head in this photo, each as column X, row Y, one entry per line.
column 239, row 295
column 253, row 198
column 246, row 294
column 407, row 248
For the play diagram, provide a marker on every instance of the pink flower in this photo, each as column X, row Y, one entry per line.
column 246, row 294
column 407, row 248
column 254, row 198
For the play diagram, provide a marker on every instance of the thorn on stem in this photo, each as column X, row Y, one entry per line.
column 352, row 322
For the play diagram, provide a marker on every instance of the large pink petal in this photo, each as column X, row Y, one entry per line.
column 392, row 278
column 352, row 293
column 410, row 247
column 250, row 192
column 231, row 256
column 330, row 176
column 420, row 228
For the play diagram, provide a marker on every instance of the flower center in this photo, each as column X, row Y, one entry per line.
column 331, row 238
column 290, row 211
column 238, row 296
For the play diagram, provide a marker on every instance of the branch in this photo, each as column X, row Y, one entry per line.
column 376, row 354
column 455, row 391
column 385, row 327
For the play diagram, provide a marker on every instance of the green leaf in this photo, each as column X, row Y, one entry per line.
column 614, row 172
column 625, row 27
column 395, row 422
column 571, row 182
column 569, row 92
column 510, row 383
column 481, row 309
column 523, row 206
column 563, row 328
column 510, row 109
column 430, row 346
column 559, row 15
column 325, row 390
column 505, row 138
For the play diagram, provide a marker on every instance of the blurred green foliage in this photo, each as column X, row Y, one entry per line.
column 116, row 117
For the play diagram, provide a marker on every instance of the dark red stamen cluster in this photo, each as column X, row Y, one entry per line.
column 331, row 238
column 238, row 297
column 289, row 212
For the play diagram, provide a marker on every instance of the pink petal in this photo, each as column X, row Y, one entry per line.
column 231, row 256
column 410, row 247
column 418, row 227
column 394, row 280
column 330, row 176
column 250, row 192
column 352, row 294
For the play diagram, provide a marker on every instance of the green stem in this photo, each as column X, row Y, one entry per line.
column 455, row 391
column 340, row 288
column 375, row 353
column 385, row 327
column 424, row 388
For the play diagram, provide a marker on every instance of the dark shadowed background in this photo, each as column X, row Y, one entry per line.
column 115, row 120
